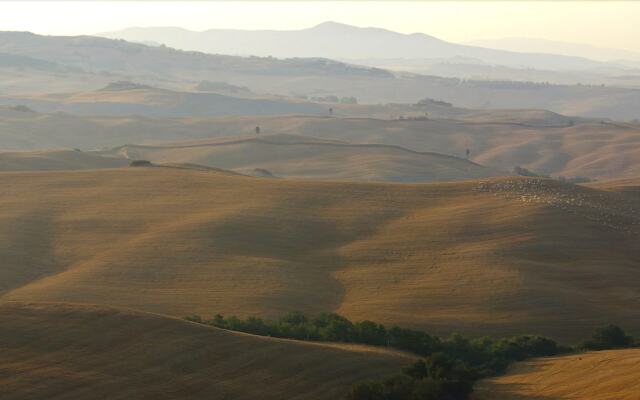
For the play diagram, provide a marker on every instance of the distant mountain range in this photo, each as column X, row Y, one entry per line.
column 340, row 41
column 537, row 45
column 33, row 65
column 100, row 55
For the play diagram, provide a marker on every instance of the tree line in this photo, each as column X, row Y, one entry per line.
column 450, row 366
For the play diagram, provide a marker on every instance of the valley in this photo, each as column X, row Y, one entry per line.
column 310, row 201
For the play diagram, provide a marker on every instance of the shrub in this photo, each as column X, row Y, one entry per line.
column 438, row 377
column 218, row 320
column 414, row 341
column 608, row 337
column 193, row 318
column 294, row 318
column 526, row 346
column 518, row 170
column 348, row 100
column 22, row 108
column 334, row 327
column 140, row 163
column 368, row 332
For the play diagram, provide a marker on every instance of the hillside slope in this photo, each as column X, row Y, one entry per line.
column 21, row 130
column 56, row 160
column 602, row 375
column 496, row 257
column 543, row 142
column 96, row 54
column 125, row 98
column 58, row 351
column 292, row 156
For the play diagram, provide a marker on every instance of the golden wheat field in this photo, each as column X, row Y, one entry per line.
column 602, row 375
column 54, row 160
column 500, row 256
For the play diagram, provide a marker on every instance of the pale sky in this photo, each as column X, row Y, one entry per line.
column 601, row 23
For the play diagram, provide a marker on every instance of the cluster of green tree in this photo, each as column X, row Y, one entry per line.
column 487, row 356
column 505, row 84
column 429, row 101
column 518, row 170
column 208, row 86
column 443, row 377
column 609, row 337
column 21, row 108
column 450, row 367
column 335, row 99
column 437, row 377
column 140, row 163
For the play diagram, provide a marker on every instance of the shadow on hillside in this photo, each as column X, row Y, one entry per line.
column 26, row 239
column 494, row 389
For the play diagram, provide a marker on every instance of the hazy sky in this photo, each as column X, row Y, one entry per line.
column 602, row 23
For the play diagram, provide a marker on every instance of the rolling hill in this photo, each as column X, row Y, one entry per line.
column 550, row 146
column 602, row 375
column 56, row 160
column 100, row 55
column 542, row 141
column 86, row 62
column 555, row 47
column 24, row 130
column 291, row 156
column 126, row 98
column 524, row 60
column 63, row 351
column 499, row 256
